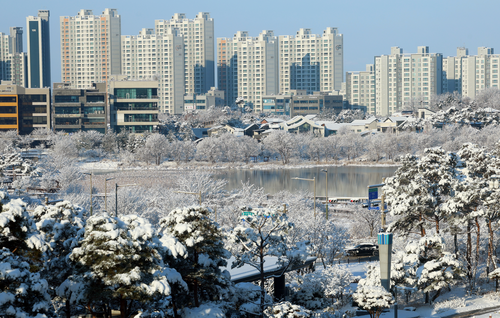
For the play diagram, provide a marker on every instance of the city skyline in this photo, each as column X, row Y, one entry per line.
column 443, row 26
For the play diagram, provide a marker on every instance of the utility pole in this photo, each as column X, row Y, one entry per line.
column 91, row 203
column 106, row 193
column 326, row 192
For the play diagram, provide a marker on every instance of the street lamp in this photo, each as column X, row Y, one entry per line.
column 198, row 193
column 326, row 191
column 106, row 193
column 116, row 195
column 91, row 203
column 313, row 180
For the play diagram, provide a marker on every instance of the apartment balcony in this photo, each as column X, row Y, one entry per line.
column 67, row 115
column 136, row 108
column 141, row 120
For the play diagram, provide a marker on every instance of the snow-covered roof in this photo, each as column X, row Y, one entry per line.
column 331, row 125
column 248, row 273
column 359, row 122
column 198, row 132
column 310, row 117
column 396, row 119
column 273, row 120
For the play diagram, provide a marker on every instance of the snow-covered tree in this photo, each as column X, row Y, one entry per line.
column 203, row 240
column 23, row 293
column 262, row 234
column 318, row 290
column 373, row 299
column 438, row 274
column 281, row 142
column 209, row 149
column 59, row 225
column 418, row 190
column 286, row 309
column 156, row 147
column 119, row 262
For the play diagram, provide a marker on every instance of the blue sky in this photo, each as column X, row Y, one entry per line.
column 370, row 27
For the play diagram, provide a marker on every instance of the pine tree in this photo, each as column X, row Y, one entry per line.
column 203, row 240
column 59, row 225
column 22, row 292
column 119, row 262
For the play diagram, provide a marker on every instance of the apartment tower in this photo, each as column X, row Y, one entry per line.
column 311, row 62
column 406, row 79
column 150, row 56
column 90, row 47
column 248, row 67
column 39, row 50
column 360, row 88
column 470, row 74
column 199, row 53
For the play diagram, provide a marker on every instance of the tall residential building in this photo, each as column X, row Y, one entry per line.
column 199, row 53
column 471, row 74
column 90, row 47
column 24, row 109
column 16, row 40
column 248, row 67
column 39, row 50
column 403, row 79
column 12, row 64
column 360, row 88
column 311, row 62
column 160, row 57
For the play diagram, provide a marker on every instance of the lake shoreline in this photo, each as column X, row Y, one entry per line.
column 107, row 164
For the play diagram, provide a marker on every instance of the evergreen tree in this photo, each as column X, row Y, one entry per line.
column 119, row 262
column 59, row 225
column 203, row 240
column 22, row 292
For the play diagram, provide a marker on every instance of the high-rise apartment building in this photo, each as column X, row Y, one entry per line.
column 179, row 54
column 470, row 74
column 403, row 79
column 360, row 88
column 248, row 67
column 90, row 47
column 311, row 62
column 39, row 50
column 149, row 56
column 12, row 63
column 252, row 67
column 16, row 40
column 199, row 52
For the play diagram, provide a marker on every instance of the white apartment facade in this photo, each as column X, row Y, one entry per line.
column 157, row 57
column 360, row 88
column 90, row 47
column 248, row 67
column 312, row 62
column 404, row 79
column 471, row 74
column 13, row 66
column 199, row 51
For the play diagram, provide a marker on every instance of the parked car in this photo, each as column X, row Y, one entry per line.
column 365, row 249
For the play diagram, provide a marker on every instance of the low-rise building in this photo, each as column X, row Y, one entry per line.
column 24, row 109
column 133, row 105
column 213, row 97
column 80, row 109
column 298, row 102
